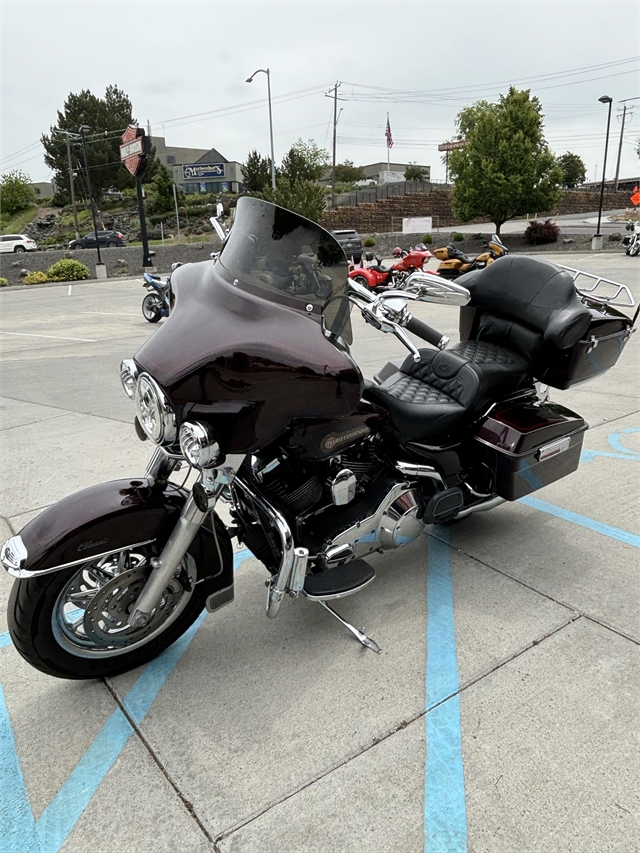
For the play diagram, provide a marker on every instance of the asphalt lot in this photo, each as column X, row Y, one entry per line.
column 502, row 716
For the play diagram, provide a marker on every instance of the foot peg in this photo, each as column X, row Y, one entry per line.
column 359, row 635
column 339, row 581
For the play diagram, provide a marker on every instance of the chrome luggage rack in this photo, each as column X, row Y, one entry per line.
column 597, row 281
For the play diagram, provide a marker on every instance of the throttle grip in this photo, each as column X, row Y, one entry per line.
column 427, row 333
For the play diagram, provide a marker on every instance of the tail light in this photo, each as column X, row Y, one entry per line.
column 121, row 236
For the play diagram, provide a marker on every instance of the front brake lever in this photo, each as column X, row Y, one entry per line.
column 404, row 338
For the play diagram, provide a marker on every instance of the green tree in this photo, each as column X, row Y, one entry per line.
column 347, row 173
column 107, row 119
column 414, row 172
column 256, row 172
column 304, row 161
column 16, row 192
column 160, row 191
column 303, row 197
column 573, row 169
column 506, row 168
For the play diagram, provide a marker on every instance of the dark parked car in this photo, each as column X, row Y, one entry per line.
column 105, row 238
column 350, row 242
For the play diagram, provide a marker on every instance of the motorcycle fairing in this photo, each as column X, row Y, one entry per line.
column 245, row 346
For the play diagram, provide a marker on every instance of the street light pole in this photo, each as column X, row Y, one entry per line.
column 83, row 130
column 605, row 99
column 273, row 159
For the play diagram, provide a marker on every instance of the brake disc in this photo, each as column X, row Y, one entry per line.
column 106, row 618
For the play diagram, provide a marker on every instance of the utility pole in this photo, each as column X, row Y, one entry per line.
column 67, row 136
column 335, row 131
column 73, row 190
column 175, row 201
column 83, row 133
column 624, row 116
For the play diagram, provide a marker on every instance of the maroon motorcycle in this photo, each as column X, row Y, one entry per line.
column 251, row 383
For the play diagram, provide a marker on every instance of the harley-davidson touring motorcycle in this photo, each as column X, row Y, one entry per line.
column 250, row 382
column 454, row 262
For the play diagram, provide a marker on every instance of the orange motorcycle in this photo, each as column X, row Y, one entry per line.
column 454, row 262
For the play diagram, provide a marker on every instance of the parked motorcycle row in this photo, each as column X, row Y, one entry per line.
column 250, row 382
column 633, row 242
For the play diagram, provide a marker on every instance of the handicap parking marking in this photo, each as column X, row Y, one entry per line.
column 19, row 831
column 615, row 440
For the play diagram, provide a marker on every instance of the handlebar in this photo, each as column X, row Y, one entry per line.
column 427, row 333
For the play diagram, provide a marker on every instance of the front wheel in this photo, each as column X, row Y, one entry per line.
column 151, row 308
column 634, row 249
column 75, row 623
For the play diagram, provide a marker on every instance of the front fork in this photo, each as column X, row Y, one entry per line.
column 199, row 504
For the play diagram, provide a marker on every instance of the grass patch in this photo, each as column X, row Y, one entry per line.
column 15, row 224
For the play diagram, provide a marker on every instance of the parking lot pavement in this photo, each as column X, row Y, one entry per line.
column 502, row 715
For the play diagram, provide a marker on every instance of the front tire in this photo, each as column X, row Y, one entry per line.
column 151, row 308
column 634, row 249
column 73, row 623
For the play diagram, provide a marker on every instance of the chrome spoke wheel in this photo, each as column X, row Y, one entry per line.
column 91, row 614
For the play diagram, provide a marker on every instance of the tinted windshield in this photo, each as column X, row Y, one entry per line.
column 289, row 257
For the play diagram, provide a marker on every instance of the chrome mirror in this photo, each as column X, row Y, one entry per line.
column 217, row 227
column 428, row 287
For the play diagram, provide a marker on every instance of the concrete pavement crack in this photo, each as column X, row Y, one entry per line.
column 62, row 412
column 400, row 727
column 8, row 523
column 546, row 595
column 188, row 805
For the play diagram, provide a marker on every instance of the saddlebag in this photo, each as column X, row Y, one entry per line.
column 528, row 446
column 597, row 352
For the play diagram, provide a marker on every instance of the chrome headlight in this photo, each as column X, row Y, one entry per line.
column 128, row 375
column 198, row 445
column 154, row 411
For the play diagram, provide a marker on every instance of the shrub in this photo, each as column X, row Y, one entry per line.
column 36, row 277
column 428, row 239
column 369, row 242
column 538, row 233
column 4, row 282
column 458, row 236
column 68, row 270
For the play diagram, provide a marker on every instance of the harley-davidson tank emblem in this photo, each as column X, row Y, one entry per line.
column 335, row 439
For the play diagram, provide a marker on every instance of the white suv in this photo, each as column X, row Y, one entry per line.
column 17, row 243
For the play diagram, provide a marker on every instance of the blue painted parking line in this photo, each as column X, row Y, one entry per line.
column 583, row 521
column 445, row 819
column 19, row 831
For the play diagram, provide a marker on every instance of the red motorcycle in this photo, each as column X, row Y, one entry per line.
column 377, row 277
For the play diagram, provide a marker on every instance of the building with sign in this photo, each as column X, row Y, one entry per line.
column 382, row 173
column 199, row 170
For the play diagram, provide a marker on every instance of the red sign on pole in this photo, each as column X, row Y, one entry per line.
column 132, row 150
column 635, row 198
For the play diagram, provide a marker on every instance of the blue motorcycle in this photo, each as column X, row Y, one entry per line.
column 157, row 302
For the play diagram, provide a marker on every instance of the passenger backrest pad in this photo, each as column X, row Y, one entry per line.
column 534, row 293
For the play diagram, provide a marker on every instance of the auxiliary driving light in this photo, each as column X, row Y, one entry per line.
column 198, row 445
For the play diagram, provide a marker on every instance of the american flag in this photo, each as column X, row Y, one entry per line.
column 387, row 133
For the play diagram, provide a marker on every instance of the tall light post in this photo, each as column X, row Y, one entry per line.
column 597, row 241
column 83, row 133
column 273, row 160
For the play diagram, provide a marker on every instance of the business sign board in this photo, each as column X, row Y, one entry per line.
column 452, row 146
column 134, row 150
column 417, row 224
column 198, row 171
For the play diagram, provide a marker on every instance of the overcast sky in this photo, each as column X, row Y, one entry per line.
column 180, row 61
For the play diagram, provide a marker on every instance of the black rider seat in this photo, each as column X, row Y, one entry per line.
column 433, row 400
column 457, row 254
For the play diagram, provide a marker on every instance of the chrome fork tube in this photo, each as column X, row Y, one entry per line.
column 161, row 466
column 164, row 566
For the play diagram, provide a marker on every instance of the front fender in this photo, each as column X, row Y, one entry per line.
column 94, row 522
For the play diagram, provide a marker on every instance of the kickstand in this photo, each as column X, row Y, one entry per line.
column 359, row 635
